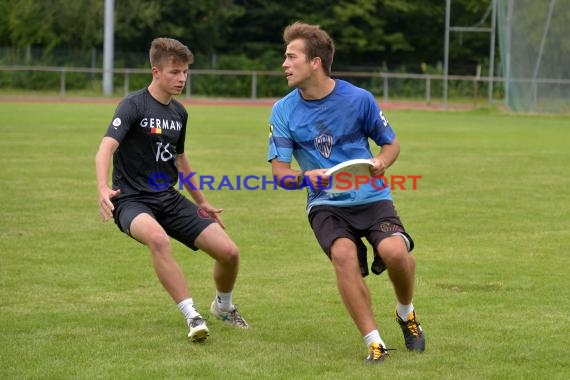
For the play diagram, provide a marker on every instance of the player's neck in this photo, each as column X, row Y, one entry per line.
column 318, row 89
column 160, row 95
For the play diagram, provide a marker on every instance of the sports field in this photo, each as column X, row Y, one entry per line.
column 490, row 218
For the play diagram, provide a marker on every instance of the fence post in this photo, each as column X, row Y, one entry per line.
column 189, row 84
column 476, row 84
column 385, row 89
column 62, row 83
column 253, row 85
column 428, row 90
column 126, row 84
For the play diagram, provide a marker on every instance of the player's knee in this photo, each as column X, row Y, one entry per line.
column 233, row 253
column 230, row 254
column 394, row 252
column 158, row 242
column 396, row 258
column 343, row 257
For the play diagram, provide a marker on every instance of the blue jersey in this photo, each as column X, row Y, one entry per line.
column 323, row 133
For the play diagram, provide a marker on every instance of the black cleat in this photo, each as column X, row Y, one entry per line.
column 413, row 333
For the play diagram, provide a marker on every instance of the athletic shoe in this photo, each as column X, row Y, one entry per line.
column 376, row 353
column 198, row 330
column 413, row 333
column 231, row 317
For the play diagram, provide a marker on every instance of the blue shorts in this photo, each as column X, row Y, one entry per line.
column 181, row 219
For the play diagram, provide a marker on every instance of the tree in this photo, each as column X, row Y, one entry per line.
column 368, row 33
column 52, row 23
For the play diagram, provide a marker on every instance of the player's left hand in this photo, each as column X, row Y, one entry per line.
column 213, row 212
column 379, row 167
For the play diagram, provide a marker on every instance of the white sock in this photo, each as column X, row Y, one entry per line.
column 404, row 310
column 224, row 301
column 373, row 337
column 187, row 308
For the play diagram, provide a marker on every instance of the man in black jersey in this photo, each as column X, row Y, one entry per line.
column 145, row 140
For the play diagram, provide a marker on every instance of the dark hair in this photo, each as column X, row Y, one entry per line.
column 317, row 42
column 164, row 50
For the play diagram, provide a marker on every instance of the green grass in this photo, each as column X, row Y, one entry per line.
column 80, row 300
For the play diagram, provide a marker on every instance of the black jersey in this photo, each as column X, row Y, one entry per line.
column 150, row 135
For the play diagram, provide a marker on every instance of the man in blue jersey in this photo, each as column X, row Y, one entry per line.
column 145, row 140
column 323, row 122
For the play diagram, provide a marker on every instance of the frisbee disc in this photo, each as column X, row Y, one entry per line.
column 349, row 169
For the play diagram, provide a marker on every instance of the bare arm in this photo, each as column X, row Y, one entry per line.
column 385, row 158
column 184, row 167
column 103, row 158
column 287, row 177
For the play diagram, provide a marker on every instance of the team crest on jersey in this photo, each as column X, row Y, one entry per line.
column 116, row 123
column 324, row 144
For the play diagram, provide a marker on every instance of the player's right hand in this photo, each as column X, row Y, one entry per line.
column 318, row 178
column 106, row 207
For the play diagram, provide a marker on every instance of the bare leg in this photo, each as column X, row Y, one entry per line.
column 351, row 286
column 401, row 267
column 146, row 229
column 215, row 242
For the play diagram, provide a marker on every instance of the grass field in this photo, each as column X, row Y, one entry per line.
column 490, row 218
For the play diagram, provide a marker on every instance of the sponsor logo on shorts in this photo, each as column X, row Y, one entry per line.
column 203, row 213
column 389, row 227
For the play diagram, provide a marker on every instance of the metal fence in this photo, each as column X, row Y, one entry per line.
column 430, row 84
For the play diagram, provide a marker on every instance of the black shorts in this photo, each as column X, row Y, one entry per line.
column 374, row 221
column 180, row 218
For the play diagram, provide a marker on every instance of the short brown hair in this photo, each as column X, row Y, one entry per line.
column 317, row 42
column 164, row 50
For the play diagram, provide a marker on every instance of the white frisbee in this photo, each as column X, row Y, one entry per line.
column 343, row 175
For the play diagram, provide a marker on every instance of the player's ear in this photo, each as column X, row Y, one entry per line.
column 316, row 62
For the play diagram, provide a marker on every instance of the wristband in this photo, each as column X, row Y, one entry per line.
column 300, row 178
